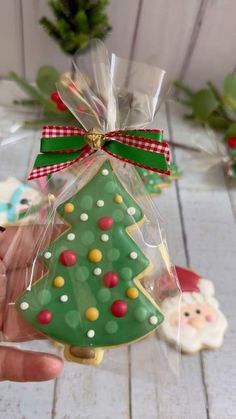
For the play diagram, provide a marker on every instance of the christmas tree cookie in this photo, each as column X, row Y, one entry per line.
column 91, row 297
column 154, row 182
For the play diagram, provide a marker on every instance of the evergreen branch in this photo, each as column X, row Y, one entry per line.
column 189, row 92
column 50, row 28
column 26, row 102
column 184, row 102
column 26, row 87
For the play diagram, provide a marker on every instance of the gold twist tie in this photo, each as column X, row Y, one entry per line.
column 95, row 138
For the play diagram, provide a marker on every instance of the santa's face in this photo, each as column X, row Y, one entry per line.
column 196, row 315
column 200, row 325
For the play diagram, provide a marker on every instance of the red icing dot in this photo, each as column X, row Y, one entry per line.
column 110, row 279
column 44, row 316
column 119, row 308
column 105, row 223
column 68, row 257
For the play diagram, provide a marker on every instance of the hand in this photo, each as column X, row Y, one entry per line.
column 18, row 247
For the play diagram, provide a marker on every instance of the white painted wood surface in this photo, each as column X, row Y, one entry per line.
column 214, row 52
column 193, row 40
column 136, row 383
column 11, row 42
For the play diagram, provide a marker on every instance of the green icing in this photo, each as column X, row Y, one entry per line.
column 113, row 255
column 104, row 295
column 154, row 182
column 44, row 297
column 81, row 273
column 86, row 202
column 111, row 326
column 83, row 288
column 87, row 238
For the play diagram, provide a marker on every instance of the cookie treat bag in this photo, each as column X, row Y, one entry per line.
column 85, row 288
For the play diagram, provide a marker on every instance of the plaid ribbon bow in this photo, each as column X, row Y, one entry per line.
column 62, row 146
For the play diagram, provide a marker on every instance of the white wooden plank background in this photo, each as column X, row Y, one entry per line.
column 40, row 49
column 11, row 42
column 214, row 53
column 209, row 226
column 193, row 40
column 165, row 27
column 201, row 232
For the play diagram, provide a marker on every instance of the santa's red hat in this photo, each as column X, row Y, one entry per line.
column 193, row 288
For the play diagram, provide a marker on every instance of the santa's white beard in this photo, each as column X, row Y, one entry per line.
column 191, row 339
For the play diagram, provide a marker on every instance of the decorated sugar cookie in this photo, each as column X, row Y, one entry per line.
column 154, row 182
column 15, row 200
column 202, row 324
column 91, row 297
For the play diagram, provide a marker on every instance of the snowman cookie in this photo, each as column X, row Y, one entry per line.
column 196, row 313
column 16, row 198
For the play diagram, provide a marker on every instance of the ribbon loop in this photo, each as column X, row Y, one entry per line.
column 63, row 146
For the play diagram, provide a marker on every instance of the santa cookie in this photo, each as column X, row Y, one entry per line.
column 91, row 297
column 197, row 314
column 16, row 198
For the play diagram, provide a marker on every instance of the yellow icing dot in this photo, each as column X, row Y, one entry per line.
column 69, row 207
column 118, row 199
column 58, row 281
column 95, row 255
column 92, row 314
column 132, row 293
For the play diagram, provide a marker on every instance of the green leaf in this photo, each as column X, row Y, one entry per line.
column 218, row 122
column 230, row 85
column 46, row 79
column 230, row 101
column 231, row 131
column 204, row 103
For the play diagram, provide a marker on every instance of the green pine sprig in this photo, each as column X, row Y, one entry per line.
column 76, row 22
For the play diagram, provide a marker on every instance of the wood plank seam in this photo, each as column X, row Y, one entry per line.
column 22, row 38
column 136, row 28
column 205, row 386
column 186, row 251
column 130, row 382
column 193, row 39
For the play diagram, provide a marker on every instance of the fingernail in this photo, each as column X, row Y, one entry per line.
column 2, row 229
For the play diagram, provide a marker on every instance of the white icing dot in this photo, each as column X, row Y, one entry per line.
column 131, row 210
column 47, row 255
column 71, row 236
column 153, row 320
column 133, row 255
column 97, row 271
column 104, row 237
column 100, row 203
column 24, row 305
column 91, row 333
column 83, row 216
column 151, row 182
column 64, row 298
column 105, row 172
